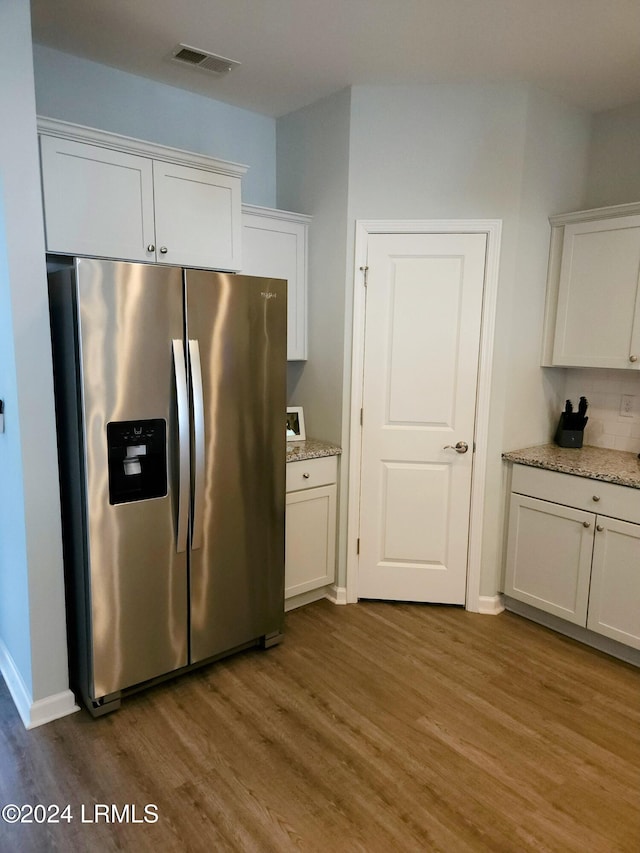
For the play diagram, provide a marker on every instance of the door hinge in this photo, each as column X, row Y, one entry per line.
column 358, row 546
column 365, row 270
column 361, row 417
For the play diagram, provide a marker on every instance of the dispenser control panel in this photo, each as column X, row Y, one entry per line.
column 137, row 460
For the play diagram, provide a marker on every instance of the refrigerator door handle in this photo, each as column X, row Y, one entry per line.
column 199, row 440
column 182, row 395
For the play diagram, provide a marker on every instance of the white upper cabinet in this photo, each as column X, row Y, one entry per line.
column 97, row 202
column 113, row 197
column 274, row 244
column 198, row 217
column 593, row 310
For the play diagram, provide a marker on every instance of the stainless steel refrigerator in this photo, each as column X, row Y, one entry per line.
column 170, row 397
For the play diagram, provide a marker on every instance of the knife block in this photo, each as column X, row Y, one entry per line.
column 567, row 437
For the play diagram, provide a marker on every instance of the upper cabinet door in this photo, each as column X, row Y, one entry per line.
column 598, row 311
column 97, row 201
column 274, row 244
column 198, row 217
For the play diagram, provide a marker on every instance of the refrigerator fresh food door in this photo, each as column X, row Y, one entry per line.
column 133, row 387
column 236, row 330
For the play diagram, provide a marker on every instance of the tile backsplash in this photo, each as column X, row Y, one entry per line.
column 605, row 389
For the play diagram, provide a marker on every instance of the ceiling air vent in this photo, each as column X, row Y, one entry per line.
column 201, row 59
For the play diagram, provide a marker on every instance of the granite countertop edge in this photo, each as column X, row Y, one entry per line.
column 312, row 448
column 596, row 463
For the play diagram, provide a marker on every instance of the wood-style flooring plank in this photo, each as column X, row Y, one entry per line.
column 373, row 727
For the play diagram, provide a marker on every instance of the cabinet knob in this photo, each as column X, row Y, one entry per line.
column 306, row 475
column 633, row 358
column 596, row 498
column 151, row 248
column 586, row 524
column 163, row 250
column 599, row 528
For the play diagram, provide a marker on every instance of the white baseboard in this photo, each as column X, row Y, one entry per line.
column 303, row 598
column 337, row 594
column 52, row 708
column 490, row 604
column 41, row 711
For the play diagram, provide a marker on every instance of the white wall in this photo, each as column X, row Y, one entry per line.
column 76, row 90
column 33, row 651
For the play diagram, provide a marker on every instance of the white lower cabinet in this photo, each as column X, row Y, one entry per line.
column 614, row 599
column 310, row 526
column 573, row 551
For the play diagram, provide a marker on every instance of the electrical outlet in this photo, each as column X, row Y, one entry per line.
column 628, row 405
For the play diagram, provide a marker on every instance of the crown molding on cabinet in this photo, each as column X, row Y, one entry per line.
column 105, row 139
column 612, row 212
column 272, row 213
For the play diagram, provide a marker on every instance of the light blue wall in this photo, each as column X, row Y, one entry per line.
column 14, row 590
column 32, row 613
column 76, row 90
column 437, row 152
column 614, row 157
column 481, row 151
column 313, row 178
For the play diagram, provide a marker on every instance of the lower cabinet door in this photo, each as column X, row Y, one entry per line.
column 614, row 601
column 311, row 539
column 549, row 557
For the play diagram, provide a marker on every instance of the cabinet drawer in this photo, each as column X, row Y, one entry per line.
column 309, row 473
column 582, row 493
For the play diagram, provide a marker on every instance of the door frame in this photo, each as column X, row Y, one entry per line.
column 364, row 229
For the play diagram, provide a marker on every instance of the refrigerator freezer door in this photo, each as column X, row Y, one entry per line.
column 128, row 316
column 237, row 561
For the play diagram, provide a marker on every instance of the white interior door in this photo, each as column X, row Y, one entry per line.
column 421, row 354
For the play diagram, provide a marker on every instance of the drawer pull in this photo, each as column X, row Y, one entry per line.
column 596, row 498
column 599, row 528
column 306, row 475
column 586, row 524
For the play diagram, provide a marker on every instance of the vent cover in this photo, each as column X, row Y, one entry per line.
column 197, row 58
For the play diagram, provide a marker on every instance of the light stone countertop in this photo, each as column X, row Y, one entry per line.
column 596, row 463
column 312, row 448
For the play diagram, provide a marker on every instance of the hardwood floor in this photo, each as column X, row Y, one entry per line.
column 373, row 727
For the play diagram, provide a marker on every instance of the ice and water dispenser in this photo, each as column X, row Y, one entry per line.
column 137, row 460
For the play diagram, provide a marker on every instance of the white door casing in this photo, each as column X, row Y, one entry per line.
column 415, row 507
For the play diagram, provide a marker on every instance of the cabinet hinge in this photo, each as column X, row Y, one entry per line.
column 358, row 546
column 365, row 270
column 361, row 417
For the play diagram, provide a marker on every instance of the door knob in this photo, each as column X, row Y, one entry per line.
column 151, row 248
column 163, row 250
column 460, row 447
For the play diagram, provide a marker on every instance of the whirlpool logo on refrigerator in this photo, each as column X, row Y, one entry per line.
column 268, row 294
